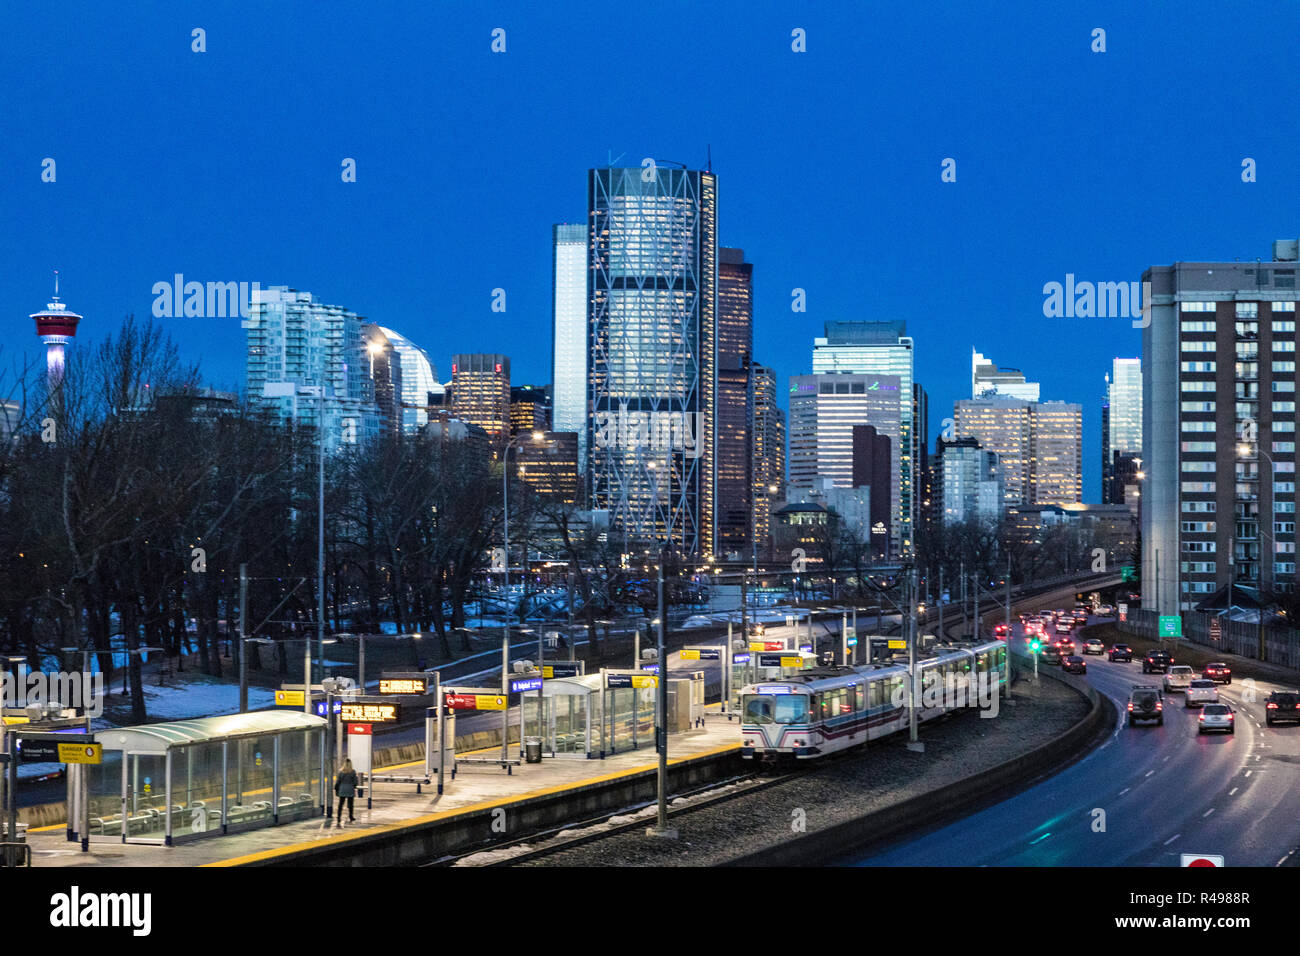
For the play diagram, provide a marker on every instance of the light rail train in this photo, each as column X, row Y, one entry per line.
column 825, row 710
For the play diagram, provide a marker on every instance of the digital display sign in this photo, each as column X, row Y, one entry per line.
column 370, row 713
column 403, row 685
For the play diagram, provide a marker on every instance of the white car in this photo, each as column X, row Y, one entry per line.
column 1094, row 645
column 1178, row 677
column 1201, row 691
column 1216, row 717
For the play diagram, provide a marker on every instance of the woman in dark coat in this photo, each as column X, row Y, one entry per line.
column 345, row 788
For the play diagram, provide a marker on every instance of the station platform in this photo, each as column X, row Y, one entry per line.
column 396, row 806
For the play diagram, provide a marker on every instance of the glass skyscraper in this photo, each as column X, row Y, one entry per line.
column 569, row 324
column 734, row 416
column 651, row 325
column 1126, row 407
column 878, row 348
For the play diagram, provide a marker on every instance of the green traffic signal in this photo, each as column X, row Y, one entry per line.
column 1034, row 646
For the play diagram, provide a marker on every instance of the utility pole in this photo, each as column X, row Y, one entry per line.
column 243, row 634
column 1008, row 632
column 914, row 676
column 320, row 567
column 661, row 828
column 941, row 602
column 961, row 577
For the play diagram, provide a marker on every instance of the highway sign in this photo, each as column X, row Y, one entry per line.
column 1216, row 629
column 1201, row 859
column 1171, row 625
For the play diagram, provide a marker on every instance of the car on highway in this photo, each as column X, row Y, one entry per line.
column 1064, row 644
column 1178, row 678
column 1121, row 652
column 1216, row 717
column 1217, row 671
column 1282, row 705
column 1145, row 702
column 1201, row 691
column 1106, row 610
column 1094, row 645
column 1051, row 654
column 1074, row 664
column 1001, row 631
column 1157, row 661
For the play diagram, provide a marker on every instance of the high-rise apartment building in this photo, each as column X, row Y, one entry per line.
column 652, row 328
column 1218, row 428
column 767, row 451
column 988, row 379
column 734, row 413
column 823, row 412
column 302, row 352
column 569, row 324
column 480, row 395
column 882, row 349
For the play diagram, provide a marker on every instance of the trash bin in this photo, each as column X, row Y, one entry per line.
column 532, row 749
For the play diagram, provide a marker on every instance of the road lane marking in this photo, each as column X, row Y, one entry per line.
column 1207, row 813
column 1125, row 790
column 1233, row 790
column 1149, row 772
column 1249, row 772
column 1040, row 839
column 1172, row 839
column 1164, row 760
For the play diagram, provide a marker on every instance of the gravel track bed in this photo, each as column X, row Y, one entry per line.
column 883, row 773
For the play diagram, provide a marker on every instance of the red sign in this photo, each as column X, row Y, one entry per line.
column 774, row 645
column 360, row 730
column 462, row 701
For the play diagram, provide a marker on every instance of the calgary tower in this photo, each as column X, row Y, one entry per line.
column 56, row 326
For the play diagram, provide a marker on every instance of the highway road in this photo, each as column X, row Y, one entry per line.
column 1159, row 791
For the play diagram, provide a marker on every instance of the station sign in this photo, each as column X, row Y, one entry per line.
column 475, row 702
column 404, row 685
column 767, row 645
column 290, row 698
column 780, row 660
column 743, row 658
column 631, row 680
column 360, row 730
column 519, row 685
column 58, row 748
column 557, row 669
column 701, row 654
column 897, row 645
column 650, row 668
column 370, row 713
column 320, row 707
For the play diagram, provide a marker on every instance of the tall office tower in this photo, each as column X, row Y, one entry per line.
column 569, row 326
column 1002, row 426
column 550, row 466
column 767, row 451
column 1107, row 465
column 530, row 408
column 987, row 379
column 480, row 395
column 1056, row 432
column 734, row 415
column 1124, row 428
column 652, row 324
column 873, row 468
column 300, row 349
column 823, row 410
column 1039, row 446
column 385, row 378
column 882, row 349
column 970, row 482
column 405, row 379
column 1218, row 428
column 920, row 459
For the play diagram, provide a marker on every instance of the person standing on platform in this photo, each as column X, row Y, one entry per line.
column 345, row 788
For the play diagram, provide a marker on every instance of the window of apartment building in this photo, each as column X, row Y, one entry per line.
column 1198, row 567
column 1198, row 426
column 1279, row 346
column 1284, row 467
column 1284, row 407
column 1247, row 310
column 1198, row 406
column 1284, row 307
column 1284, row 567
column 1288, row 366
column 1284, row 547
column 1247, row 350
column 1284, row 487
column 1200, row 466
column 1199, row 386
column 1247, row 329
column 1198, row 306
column 1283, row 446
column 1284, row 527
column 1286, row 385
column 1198, row 487
column 1198, row 587
column 1284, row 426
column 1198, row 366
column 1199, row 527
column 1193, row 507
column 1198, row 547
column 1284, row 507
column 1209, row 346
column 1194, row 446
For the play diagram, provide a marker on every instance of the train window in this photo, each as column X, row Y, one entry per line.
column 982, row 662
column 758, row 709
column 875, row 690
column 791, row 709
column 859, row 697
column 844, row 698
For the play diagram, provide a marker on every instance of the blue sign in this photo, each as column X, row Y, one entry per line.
column 740, row 658
column 521, row 684
column 320, row 707
column 806, row 647
column 650, row 668
column 852, row 642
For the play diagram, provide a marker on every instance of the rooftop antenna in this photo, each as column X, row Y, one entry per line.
column 609, row 153
column 56, row 285
column 709, row 162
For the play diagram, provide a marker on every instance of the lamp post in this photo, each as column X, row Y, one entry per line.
column 661, row 828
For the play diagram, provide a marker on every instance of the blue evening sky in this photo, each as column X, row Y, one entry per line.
column 225, row 165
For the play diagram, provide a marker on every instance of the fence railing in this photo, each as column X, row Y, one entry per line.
column 1281, row 644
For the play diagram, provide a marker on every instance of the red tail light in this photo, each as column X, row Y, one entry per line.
column 1272, row 706
column 1130, row 705
column 1232, row 716
column 1160, row 706
column 1202, row 716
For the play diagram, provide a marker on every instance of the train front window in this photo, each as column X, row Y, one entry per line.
column 776, row 708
